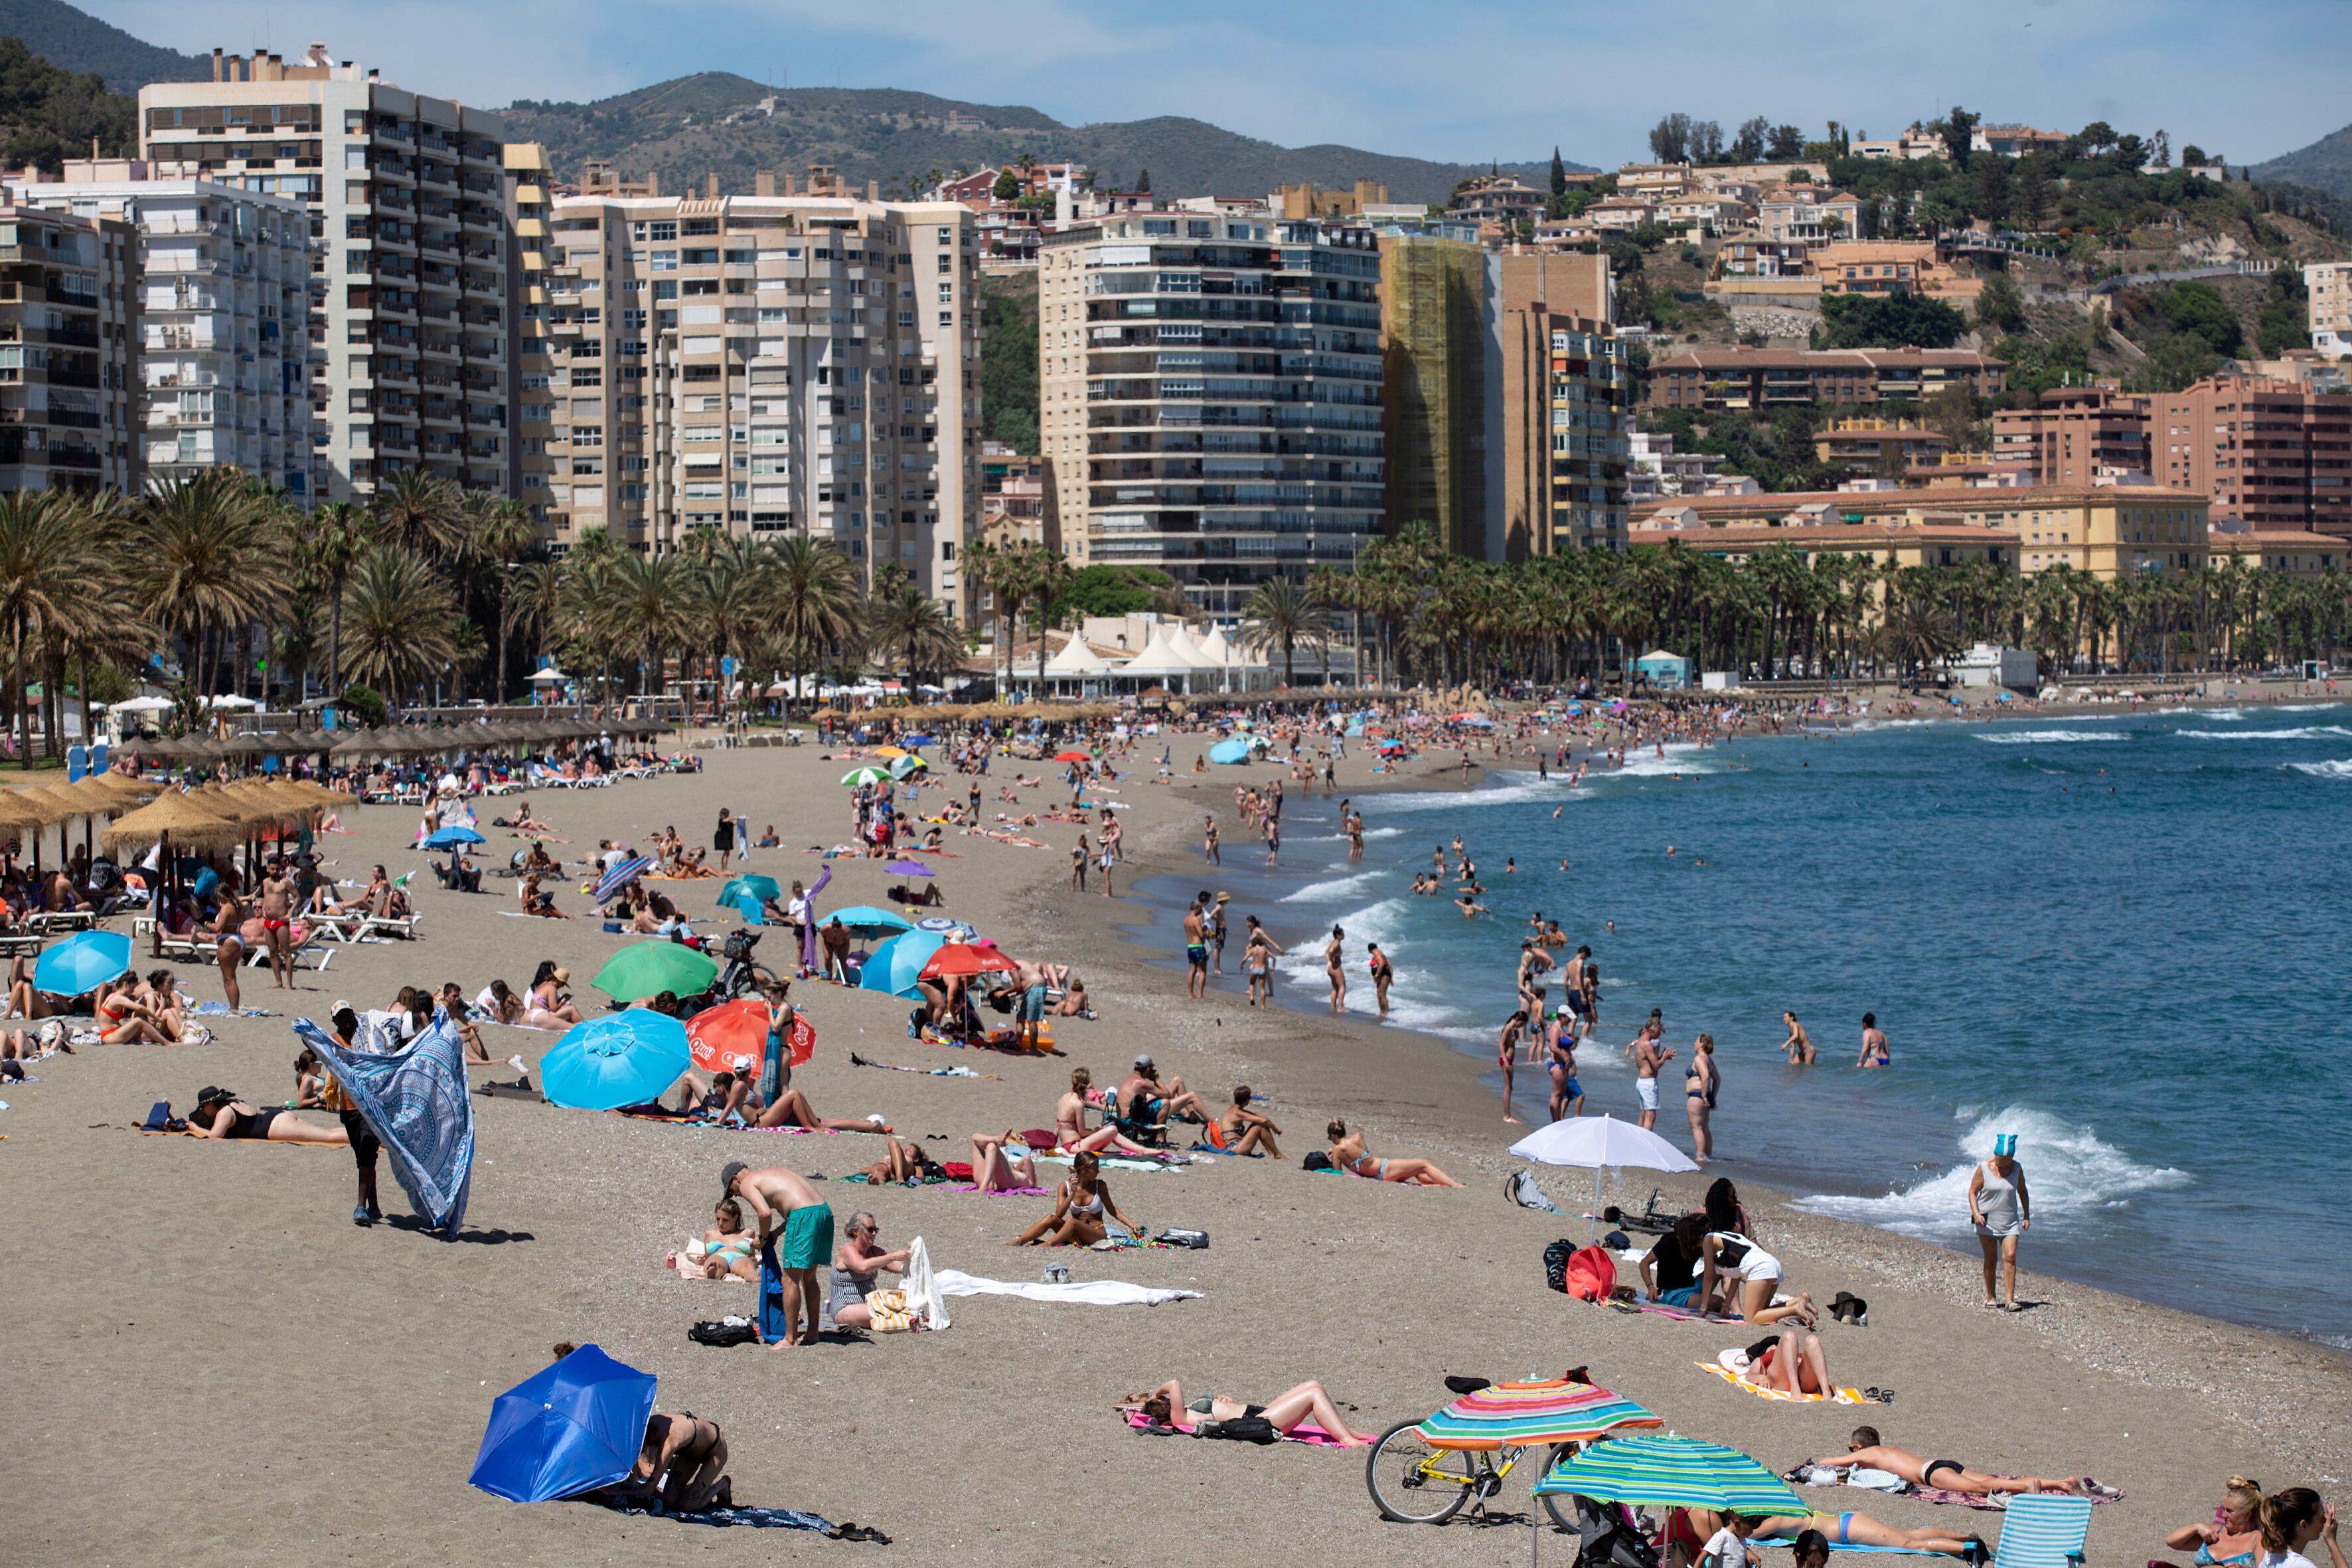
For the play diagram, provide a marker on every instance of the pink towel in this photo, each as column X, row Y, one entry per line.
column 1305, row 1432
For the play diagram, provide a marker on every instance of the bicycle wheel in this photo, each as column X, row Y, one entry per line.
column 1560, row 1505
column 1414, row 1483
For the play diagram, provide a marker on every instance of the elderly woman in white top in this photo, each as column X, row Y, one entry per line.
column 2001, row 1211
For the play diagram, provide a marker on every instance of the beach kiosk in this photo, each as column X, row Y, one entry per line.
column 1665, row 671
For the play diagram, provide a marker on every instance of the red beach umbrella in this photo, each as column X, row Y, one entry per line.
column 734, row 1037
column 1072, row 757
column 962, row 958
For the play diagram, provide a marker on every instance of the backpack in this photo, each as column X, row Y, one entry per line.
column 1556, row 1257
column 1590, row 1275
column 1316, row 1160
column 725, row 1331
column 1240, row 1429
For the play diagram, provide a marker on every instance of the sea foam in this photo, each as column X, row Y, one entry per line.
column 2050, row 737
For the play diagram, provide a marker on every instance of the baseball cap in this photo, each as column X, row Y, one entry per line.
column 1143, row 1061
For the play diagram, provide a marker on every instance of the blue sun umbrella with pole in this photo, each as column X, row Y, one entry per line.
column 567, row 1429
column 616, row 1060
column 83, row 963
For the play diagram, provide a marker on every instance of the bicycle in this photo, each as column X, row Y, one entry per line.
column 1413, row 1481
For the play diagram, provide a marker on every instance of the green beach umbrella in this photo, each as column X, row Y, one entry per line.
column 649, row 968
column 1668, row 1470
column 865, row 777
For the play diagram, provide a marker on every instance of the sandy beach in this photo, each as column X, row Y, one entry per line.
column 199, row 1329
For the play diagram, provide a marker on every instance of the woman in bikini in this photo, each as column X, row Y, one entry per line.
column 1257, row 958
column 729, row 1250
column 2233, row 1537
column 1347, row 1154
column 791, row 1108
column 1286, row 1412
column 1080, row 1206
column 1701, row 1082
column 1247, row 1132
column 1070, row 1136
column 994, row 1170
column 551, row 1006
column 122, row 1021
column 220, row 1114
column 1335, row 966
column 228, row 944
column 904, row 1163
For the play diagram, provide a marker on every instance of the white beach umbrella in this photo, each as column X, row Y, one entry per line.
column 1600, row 1141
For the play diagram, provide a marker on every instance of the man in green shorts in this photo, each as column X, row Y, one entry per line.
column 789, row 1210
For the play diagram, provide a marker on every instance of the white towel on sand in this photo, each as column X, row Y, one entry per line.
column 1093, row 1293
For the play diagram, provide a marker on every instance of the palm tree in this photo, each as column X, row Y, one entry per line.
column 731, row 589
column 202, row 554
column 814, row 604
column 533, row 604
column 641, row 596
column 1282, row 615
column 51, row 572
column 397, row 614
column 330, row 539
column 502, row 530
column 1049, row 569
column 911, row 622
column 424, row 513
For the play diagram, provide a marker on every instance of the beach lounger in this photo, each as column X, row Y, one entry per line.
column 503, row 786
column 46, row 921
column 403, row 926
column 20, row 942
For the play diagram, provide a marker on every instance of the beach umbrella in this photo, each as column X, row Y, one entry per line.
column 954, row 930
column 576, row 1425
column 620, row 877
column 906, row 765
column 734, row 1037
column 868, row 775
column 1665, row 1469
column 649, row 968
column 1074, row 756
column 909, row 868
column 865, row 919
column 897, row 963
column 83, row 962
column 893, row 752
column 1553, row 1410
column 1599, row 1142
column 1230, row 751
column 620, row 1058
column 755, row 887
column 962, row 958
column 454, row 836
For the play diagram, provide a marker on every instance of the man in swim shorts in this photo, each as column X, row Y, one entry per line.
column 790, row 1213
column 1647, row 1059
column 1864, row 1450
column 1196, row 951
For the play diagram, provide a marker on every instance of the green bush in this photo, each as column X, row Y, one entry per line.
column 361, row 706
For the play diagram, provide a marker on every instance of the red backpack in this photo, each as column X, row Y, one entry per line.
column 1590, row 1275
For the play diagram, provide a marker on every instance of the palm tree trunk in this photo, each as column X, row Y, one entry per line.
column 335, row 641
column 16, row 695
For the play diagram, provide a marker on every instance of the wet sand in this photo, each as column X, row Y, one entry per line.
column 208, row 1363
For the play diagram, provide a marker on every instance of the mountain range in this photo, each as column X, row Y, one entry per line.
column 76, row 41
column 2324, row 165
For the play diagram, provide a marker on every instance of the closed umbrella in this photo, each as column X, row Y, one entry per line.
column 81, row 963
column 897, row 963
column 734, row 1037
column 1600, row 1141
column 621, row 1059
column 1665, row 1469
column 649, row 968
column 574, row 1427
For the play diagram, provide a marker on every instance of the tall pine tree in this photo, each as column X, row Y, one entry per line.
column 1559, row 174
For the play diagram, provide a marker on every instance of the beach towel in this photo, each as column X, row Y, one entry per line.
column 1837, row 1396
column 1092, row 1293
column 413, row 1100
column 1660, row 1310
column 858, row 1061
column 750, row 1518
column 919, row 1285
column 1004, row 1192
column 1305, row 1432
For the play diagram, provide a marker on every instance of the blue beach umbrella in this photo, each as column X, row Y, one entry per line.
column 756, row 887
column 453, row 838
column 1230, row 751
column 83, row 963
column 954, row 930
column 575, row 1426
column 898, row 962
column 621, row 1059
column 902, row 766
column 620, row 877
column 865, row 919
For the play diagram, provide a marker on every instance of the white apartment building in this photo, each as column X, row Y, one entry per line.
column 68, row 326
column 764, row 365
column 408, row 317
column 1210, row 396
column 2330, row 283
column 222, row 301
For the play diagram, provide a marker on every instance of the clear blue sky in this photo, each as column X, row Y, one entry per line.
column 1458, row 80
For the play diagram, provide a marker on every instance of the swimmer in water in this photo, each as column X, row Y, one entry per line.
column 1874, row 1052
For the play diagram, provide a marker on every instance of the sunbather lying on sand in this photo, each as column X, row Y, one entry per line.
column 730, row 1249
column 993, row 1169
column 905, row 1162
column 1864, row 1450
column 1792, row 1362
column 1284, row 1413
column 1347, row 1154
column 1079, row 1205
column 220, row 1114
column 792, row 1109
column 1860, row 1529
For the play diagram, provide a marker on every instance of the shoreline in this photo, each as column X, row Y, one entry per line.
column 1161, row 857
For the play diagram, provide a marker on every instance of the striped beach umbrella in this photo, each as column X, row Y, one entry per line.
column 1665, row 1469
column 1552, row 1411
column 620, row 877
column 866, row 776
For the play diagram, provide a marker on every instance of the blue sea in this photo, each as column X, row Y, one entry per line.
column 2124, row 939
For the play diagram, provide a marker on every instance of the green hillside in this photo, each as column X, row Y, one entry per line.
column 76, row 41
column 47, row 115
column 2324, row 165
column 711, row 123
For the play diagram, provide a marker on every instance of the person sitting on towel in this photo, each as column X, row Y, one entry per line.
column 856, row 1262
column 1864, row 1450
column 1081, row 1205
column 1286, row 1413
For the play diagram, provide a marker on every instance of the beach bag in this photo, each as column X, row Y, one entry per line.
column 1316, row 1160
column 1590, row 1275
column 1196, row 1239
column 1556, row 1258
column 1521, row 1187
column 889, row 1310
column 723, row 1332
column 1240, row 1429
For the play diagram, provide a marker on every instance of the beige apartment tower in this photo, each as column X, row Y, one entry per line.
column 407, row 337
column 763, row 365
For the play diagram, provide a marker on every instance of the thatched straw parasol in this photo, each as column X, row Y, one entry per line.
column 173, row 818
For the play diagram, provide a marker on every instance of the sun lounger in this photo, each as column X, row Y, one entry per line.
column 45, row 922
column 503, row 786
column 403, row 926
column 20, row 942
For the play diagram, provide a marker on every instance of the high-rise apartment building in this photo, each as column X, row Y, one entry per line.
column 222, row 302
column 530, row 206
column 765, row 364
column 1433, row 301
column 2076, row 436
column 408, row 323
column 2330, row 287
column 69, row 330
column 1210, row 395
column 2270, row 453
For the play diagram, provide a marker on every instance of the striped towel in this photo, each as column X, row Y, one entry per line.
column 1841, row 1397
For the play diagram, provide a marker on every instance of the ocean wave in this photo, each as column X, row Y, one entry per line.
column 2050, row 737
column 2226, row 715
column 1301, row 969
column 1316, row 891
column 2328, row 770
column 2307, row 732
column 2070, row 1170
